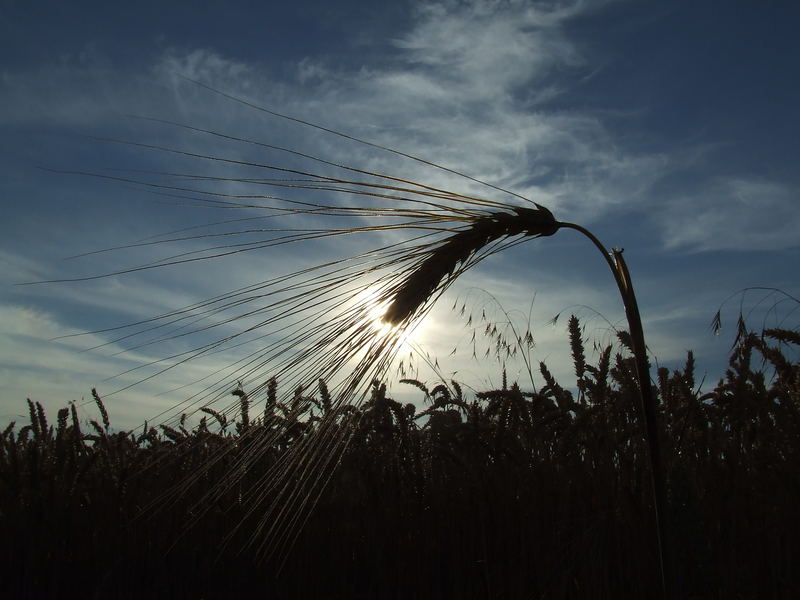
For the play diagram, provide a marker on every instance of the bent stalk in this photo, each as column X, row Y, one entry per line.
column 647, row 400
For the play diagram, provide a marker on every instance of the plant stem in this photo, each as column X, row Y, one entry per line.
column 647, row 400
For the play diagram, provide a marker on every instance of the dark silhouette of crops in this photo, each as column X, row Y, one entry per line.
column 507, row 494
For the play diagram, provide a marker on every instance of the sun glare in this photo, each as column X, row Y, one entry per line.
column 406, row 338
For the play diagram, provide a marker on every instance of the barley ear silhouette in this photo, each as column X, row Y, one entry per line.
column 421, row 283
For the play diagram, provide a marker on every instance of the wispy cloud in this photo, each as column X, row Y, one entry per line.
column 733, row 214
column 485, row 51
column 463, row 87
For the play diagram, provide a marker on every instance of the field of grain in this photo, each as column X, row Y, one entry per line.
column 502, row 494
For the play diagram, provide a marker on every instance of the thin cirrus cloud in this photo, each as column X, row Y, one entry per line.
column 733, row 214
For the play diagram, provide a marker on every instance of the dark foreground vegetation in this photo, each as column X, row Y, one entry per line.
column 508, row 494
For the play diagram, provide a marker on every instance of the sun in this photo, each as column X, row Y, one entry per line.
column 375, row 317
column 405, row 338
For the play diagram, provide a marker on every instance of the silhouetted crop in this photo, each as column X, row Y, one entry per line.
column 504, row 494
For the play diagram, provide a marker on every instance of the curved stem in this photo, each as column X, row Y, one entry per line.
column 647, row 400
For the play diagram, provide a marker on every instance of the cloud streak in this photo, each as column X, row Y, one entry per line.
column 733, row 214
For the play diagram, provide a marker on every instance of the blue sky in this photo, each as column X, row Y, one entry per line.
column 668, row 129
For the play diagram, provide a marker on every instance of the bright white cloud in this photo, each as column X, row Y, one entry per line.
column 483, row 51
